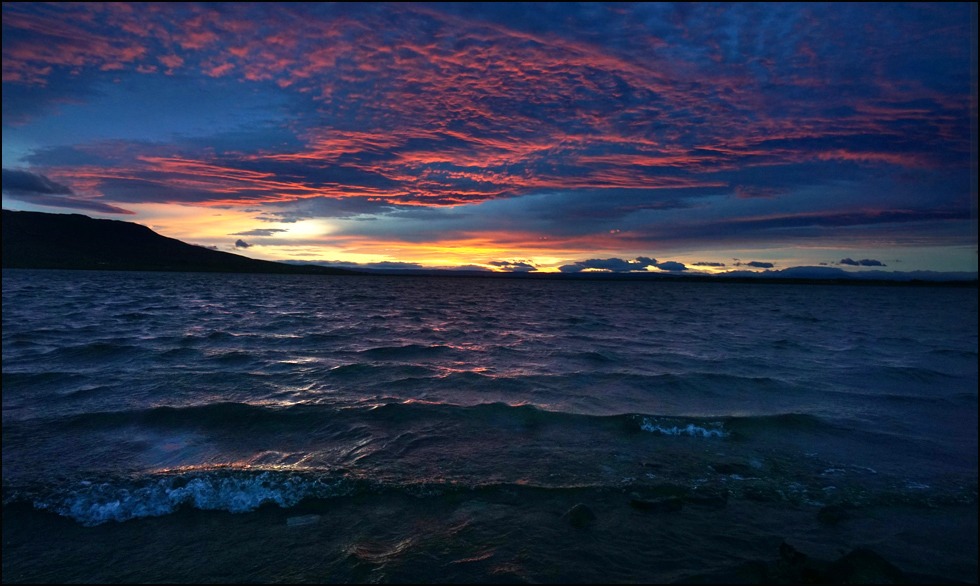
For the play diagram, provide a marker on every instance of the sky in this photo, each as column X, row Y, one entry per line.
column 650, row 137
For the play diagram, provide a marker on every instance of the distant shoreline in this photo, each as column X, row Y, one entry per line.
column 594, row 277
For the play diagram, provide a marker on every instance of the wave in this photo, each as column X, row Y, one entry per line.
column 93, row 351
column 408, row 352
column 183, row 353
column 433, row 380
column 234, row 491
column 242, row 490
column 84, row 392
column 235, row 357
column 360, row 370
column 953, row 352
column 595, row 357
column 315, row 339
column 912, row 373
column 714, row 429
column 965, row 399
column 244, row 416
column 803, row 318
column 784, row 422
column 220, row 335
column 133, row 316
column 29, row 380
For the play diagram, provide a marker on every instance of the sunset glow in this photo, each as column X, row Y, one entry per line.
column 506, row 138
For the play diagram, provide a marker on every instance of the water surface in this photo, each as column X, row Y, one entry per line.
column 134, row 396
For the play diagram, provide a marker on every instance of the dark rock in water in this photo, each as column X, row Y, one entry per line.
column 832, row 514
column 796, row 567
column 663, row 505
column 789, row 555
column 580, row 516
column 863, row 566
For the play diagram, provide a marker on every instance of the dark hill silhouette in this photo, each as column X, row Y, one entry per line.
column 35, row 240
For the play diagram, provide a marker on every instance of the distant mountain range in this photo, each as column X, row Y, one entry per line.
column 800, row 274
column 35, row 240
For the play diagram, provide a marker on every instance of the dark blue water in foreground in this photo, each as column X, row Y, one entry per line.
column 136, row 395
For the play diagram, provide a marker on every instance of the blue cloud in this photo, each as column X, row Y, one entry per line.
column 865, row 262
column 615, row 265
column 671, row 266
column 37, row 189
column 514, row 266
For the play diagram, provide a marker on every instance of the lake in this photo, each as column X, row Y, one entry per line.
column 182, row 427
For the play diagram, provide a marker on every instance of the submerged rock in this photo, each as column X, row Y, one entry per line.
column 580, row 516
column 860, row 566
column 789, row 555
column 796, row 567
column 863, row 566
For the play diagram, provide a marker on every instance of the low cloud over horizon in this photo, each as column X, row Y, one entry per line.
column 865, row 262
column 618, row 265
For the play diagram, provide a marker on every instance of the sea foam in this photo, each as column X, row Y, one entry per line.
column 712, row 429
column 94, row 504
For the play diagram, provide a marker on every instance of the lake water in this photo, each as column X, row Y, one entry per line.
column 167, row 426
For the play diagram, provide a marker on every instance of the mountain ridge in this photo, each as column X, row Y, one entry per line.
column 38, row 240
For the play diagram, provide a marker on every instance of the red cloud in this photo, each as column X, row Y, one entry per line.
column 422, row 107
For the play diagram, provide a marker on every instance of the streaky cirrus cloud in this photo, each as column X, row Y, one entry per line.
column 260, row 232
